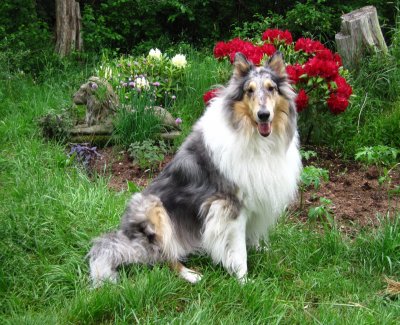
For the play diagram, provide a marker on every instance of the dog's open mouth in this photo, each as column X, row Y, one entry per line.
column 264, row 128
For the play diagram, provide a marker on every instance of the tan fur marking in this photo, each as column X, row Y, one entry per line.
column 158, row 218
column 243, row 113
column 268, row 84
column 176, row 266
column 252, row 86
column 281, row 118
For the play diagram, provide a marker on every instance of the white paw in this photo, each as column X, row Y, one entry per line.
column 190, row 275
column 99, row 281
column 261, row 248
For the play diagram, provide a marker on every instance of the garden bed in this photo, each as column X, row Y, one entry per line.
column 358, row 201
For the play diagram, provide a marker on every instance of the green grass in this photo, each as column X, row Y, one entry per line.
column 49, row 212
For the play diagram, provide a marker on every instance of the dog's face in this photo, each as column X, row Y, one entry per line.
column 258, row 101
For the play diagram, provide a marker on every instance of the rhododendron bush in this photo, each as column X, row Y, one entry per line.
column 315, row 72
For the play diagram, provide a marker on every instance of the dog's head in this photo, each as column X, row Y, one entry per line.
column 261, row 97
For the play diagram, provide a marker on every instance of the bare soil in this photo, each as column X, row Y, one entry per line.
column 358, row 200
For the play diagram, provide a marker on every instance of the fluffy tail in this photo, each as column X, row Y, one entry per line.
column 146, row 235
column 112, row 250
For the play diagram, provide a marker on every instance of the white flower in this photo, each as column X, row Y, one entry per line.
column 155, row 54
column 179, row 61
column 142, row 83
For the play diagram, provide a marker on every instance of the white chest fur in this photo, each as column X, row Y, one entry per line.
column 264, row 169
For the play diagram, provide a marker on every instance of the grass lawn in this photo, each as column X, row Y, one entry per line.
column 49, row 212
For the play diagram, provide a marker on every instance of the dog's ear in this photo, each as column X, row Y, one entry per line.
column 242, row 66
column 277, row 64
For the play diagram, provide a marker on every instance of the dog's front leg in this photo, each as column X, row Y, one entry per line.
column 235, row 259
column 224, row 238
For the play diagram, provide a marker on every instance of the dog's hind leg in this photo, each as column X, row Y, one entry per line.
column 224, row 237
column 187, row 274
column 110, row 251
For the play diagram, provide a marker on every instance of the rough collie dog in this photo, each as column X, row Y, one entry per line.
column 231, row 179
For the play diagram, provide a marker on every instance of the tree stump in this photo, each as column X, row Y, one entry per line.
column 68, row 27
column 360, row 33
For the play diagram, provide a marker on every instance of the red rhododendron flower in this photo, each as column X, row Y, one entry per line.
column 272, row 35
column 301, row 100
column 337, row 58
column 337, row 104
column 325, row 55
column 268, row 49
column 343, row 88
column 294, row 72
column 308, row 45
column 316, row 67
column 210, row 95
column 221, row 49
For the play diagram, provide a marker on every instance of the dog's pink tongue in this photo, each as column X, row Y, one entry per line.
column 264, row 129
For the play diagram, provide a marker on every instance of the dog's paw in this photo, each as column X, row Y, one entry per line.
column 245, row 281
column 190, row 275
column 261, row 248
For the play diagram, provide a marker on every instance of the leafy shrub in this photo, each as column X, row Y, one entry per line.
column 56, row 126
column 96, row 34
column 313, row 19
column 147, row 154
column 307, row 154
column 378, row 155
column 250, row 29
column 311, row 176
column 322, row 211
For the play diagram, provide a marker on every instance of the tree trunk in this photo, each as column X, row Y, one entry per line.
column 68, row 27
column 359, row 33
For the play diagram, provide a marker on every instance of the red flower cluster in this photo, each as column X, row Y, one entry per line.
column 308, row 45
column 320, row 63
column 339, row 97
column 326, row 69
column 277, row 35
column 301, row 100
column 210, row 95
column 252, row 52
column 295, row 72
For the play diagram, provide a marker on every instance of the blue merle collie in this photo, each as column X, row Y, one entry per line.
column 231, row 179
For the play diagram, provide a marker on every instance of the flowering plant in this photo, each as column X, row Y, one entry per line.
column 155, row 76
column 316, row 73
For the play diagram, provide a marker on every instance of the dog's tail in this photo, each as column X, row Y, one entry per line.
column 145, row 236
column 112, row 250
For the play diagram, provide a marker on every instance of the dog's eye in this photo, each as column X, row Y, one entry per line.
column 250, row 91
column 271, row 88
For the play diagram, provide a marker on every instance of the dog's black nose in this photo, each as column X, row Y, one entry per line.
column 263, row 115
